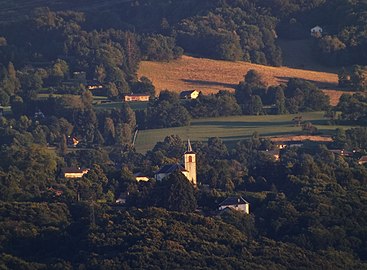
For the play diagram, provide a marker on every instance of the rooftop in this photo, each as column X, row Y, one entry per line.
column 169, row 168
column 233, row 201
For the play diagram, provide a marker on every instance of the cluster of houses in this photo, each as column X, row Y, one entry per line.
column 98, row 88
column 281, row 145
column 189, row 94
column 188, row 169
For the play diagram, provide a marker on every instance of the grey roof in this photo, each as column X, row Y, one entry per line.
column 137, row 95
column 233, row 201
column 140, row 174
column 170, row 168
column 73, row 170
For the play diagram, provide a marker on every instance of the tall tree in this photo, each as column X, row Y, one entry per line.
column 177, row 193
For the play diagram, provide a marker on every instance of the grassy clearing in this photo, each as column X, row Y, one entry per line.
column 210, row 76
column 235, row 128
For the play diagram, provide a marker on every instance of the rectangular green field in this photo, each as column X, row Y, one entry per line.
column 235, row 128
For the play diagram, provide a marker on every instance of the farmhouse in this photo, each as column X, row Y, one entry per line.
column 141, row 177
column 72, row 141
column 188, row 169
column 316, row 31
column 190, row 94
column 236, row 203
column 93, row 86
column 136, row 97
column 362, row 160
column 342, row 152
column 72, row 172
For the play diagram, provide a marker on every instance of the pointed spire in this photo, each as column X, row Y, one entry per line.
column 189, row 148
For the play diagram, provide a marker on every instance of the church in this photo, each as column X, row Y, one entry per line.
column 188, row 169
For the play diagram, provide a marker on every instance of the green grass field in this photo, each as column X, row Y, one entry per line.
column 235, row 128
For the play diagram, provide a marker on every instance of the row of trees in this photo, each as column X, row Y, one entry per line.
column 252, row 97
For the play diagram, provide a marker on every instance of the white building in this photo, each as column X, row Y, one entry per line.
column 316, row 31
column 236, row 203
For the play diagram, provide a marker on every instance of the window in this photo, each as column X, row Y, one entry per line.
column 190, row 158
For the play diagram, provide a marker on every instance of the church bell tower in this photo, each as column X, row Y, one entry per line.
column 190, row 163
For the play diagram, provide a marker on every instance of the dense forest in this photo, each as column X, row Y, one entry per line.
column 308, row 206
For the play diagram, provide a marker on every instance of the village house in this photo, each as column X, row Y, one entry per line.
column 136, row 97
column 190, row 94
column 141, row 177
column 316, row 31
column 73, row 172
column 342, row 152
column 93, row 86
column 362, row 160
column 72, row 141
column 236, row 203
column 188, row 169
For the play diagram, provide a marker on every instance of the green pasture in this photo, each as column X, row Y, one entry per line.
column 235, row 128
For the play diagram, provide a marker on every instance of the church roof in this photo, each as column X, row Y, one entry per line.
column 170, row 168
column 233, row 201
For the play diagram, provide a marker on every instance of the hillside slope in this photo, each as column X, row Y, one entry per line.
column 210, row 76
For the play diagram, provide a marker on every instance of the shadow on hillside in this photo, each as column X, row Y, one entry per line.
column 324, row 85
column 210, row 83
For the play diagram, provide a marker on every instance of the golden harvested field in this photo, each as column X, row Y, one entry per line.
column 210, row 76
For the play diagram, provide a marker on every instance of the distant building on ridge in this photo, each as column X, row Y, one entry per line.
column 190, row 94
column 136, row 97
